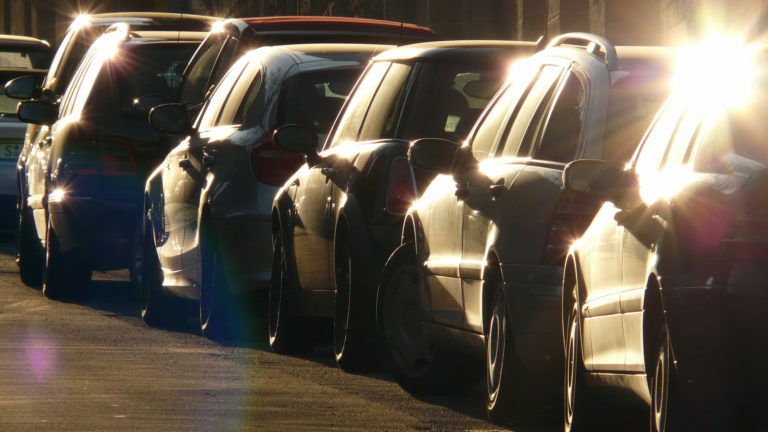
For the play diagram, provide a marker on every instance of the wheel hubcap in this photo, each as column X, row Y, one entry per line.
column 660, row 395
column 495, row 350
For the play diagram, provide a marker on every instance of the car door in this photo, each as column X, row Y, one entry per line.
column 490, row 198
column 312, row 230
column 213, row 125
column 641, row 235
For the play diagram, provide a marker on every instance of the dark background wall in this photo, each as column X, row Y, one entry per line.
column 625, row 22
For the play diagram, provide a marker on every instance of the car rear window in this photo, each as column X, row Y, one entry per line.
column 141, row 70
column 22, row 58
column 313, row 99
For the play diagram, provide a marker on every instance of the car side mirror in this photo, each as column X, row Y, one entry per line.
column 25, row 87
column 296, row 139
column 170, row 118
column 144, row 104
column 434, row 154
column 37, row 112
column 600, row 179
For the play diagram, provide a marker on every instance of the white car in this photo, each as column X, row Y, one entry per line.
column 208, row 205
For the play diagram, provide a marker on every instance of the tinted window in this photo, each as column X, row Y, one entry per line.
column 381, row 120
column 348, row 126
column 313, row 99
column 210, row 114
column 537, row 101
column 562, row 130
column 141, row 70
column 199, row 70
column 448, row 98
column 24, row 58
column 489, row 131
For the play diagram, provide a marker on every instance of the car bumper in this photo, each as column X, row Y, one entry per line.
column 534, row 294
column 100, row 231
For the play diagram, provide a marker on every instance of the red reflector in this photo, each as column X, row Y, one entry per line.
column 117, row 158
column 401, row 188
column 271, row 164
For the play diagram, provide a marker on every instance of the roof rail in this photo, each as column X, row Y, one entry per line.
column 592, row 43
column 122, row 29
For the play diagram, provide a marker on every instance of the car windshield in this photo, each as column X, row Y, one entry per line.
column 312, row 99
column 142, row 70
column 20, row 58
column 448, row 98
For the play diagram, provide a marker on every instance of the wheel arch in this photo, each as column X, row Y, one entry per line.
column 493, row 279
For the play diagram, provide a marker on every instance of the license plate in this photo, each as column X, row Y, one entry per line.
column 9, row 152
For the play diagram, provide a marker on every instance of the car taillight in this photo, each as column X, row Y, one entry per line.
column 272, row 165
column 401, row 188
column 572, row 216
column 117, row 157
column 108, row 156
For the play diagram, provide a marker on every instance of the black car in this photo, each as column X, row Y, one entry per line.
column 85, row 174
column 80, row 35
column 338, row 218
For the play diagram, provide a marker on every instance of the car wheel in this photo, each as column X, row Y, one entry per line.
column 157, row 308
column 419, row 367
column 504, row 374
column 577, row 404
column 667, row 410
column 286, row 335
column 64, row 275
column 354, row 341
column 29, row 253
column 216, row 306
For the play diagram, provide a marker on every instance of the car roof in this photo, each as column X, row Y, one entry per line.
column 325, row 25
column 156, row 35
column 23, row 41
column 457, row 51
column 157, row 20
column 306, row 53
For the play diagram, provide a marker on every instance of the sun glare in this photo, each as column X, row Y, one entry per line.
column 717, row 73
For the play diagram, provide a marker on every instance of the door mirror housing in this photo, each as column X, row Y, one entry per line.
column 37, row 112
column 144, row 104
column 25, row 87
column 296, row 139
column 170, row 118
column 600, row 179
column 433, row 154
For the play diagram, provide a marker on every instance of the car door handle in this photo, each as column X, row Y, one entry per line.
column 328, row 172
column 185, row 164
column 462, row 191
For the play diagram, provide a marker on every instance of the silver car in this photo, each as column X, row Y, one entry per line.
column 207, row 224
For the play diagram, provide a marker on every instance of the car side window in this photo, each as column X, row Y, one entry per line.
column 520, row 134
column 348, row 127
column 249, row 79
column 254, row 89
column 70, row 95
column 562, row 129
column 211, row 113
column 381, row 120
column 197, row 73
column 489, row 132
column 654, row 146
column 682, row 143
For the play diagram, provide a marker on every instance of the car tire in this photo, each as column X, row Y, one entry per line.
column 286, row 333
column 667, row 411
column 157, row 308
column 578, row 405
column 30, row 254
column 504, row 374
column 418, row 365
column 217, row 307
column 354, row 335
column 64, row 274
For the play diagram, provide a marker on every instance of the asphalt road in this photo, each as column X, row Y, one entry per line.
column 93, row 365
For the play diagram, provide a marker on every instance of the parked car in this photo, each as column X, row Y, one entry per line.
column 86, row 171
column 207, row 207
column 476, row 278
column 337, row 219
column 664, row 295
column 81, row 34
column 19, row 56
column 230, row 39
